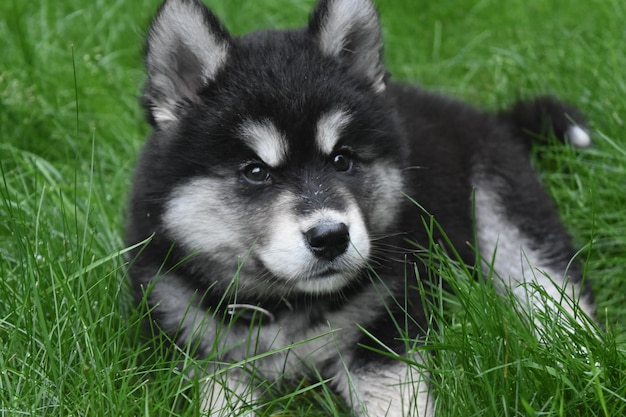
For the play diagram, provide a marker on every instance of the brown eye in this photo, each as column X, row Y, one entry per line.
column 256, row 173
column 342, row 160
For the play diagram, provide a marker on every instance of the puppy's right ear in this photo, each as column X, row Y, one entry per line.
column 186, row 46
column 349, row 31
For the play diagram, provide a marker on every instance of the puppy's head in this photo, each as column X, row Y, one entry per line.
column 278, row 149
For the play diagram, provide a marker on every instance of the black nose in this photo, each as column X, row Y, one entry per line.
column 328, row 240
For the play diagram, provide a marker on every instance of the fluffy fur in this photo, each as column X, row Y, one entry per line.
column 278, row 172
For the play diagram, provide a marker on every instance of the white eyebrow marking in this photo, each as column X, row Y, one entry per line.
column 329, row 129
column 266, row 141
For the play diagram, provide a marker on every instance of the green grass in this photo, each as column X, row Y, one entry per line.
column 70, row 130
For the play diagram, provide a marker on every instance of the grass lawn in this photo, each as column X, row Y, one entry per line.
column 71, row 128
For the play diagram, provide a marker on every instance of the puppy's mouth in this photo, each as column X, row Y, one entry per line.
column 326, row 282
column 335, row 268
column 327, row 273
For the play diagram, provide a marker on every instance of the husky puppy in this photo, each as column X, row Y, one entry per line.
column 278, row 188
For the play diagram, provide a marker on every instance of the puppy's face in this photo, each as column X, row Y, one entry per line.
column 298, row 207
column 282, row 156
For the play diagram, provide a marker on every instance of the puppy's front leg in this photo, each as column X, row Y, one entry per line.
column 228, row 393
column 392, row 389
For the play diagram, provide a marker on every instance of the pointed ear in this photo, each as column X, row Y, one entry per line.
column 349, row 30
column 186, row 47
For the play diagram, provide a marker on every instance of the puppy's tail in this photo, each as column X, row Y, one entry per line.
column 535, row 121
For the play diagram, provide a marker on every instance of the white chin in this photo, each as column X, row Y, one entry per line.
column 326, row 284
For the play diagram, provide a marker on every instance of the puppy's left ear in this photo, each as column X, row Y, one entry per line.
column 349, row 30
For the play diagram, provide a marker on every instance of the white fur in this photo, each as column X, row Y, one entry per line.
column 329, row 129
column 266, row 141
column 328, row 343
column 514, row 260
column 288, row 256
column 343, row 16
column 578, row 137
column 183, row 317
column 386, row 195
column 199, row 216
column 228, row 393
column 354, row 20
column 181, row 21
column 180, row 27
column 321, row 343
column 164, row 114
column 397, row 390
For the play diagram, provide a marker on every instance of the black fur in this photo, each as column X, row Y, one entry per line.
column 443, row 149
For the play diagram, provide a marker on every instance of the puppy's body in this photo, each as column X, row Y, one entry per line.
column 275, row 187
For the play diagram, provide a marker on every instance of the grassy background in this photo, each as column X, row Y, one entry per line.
column 70, row 129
